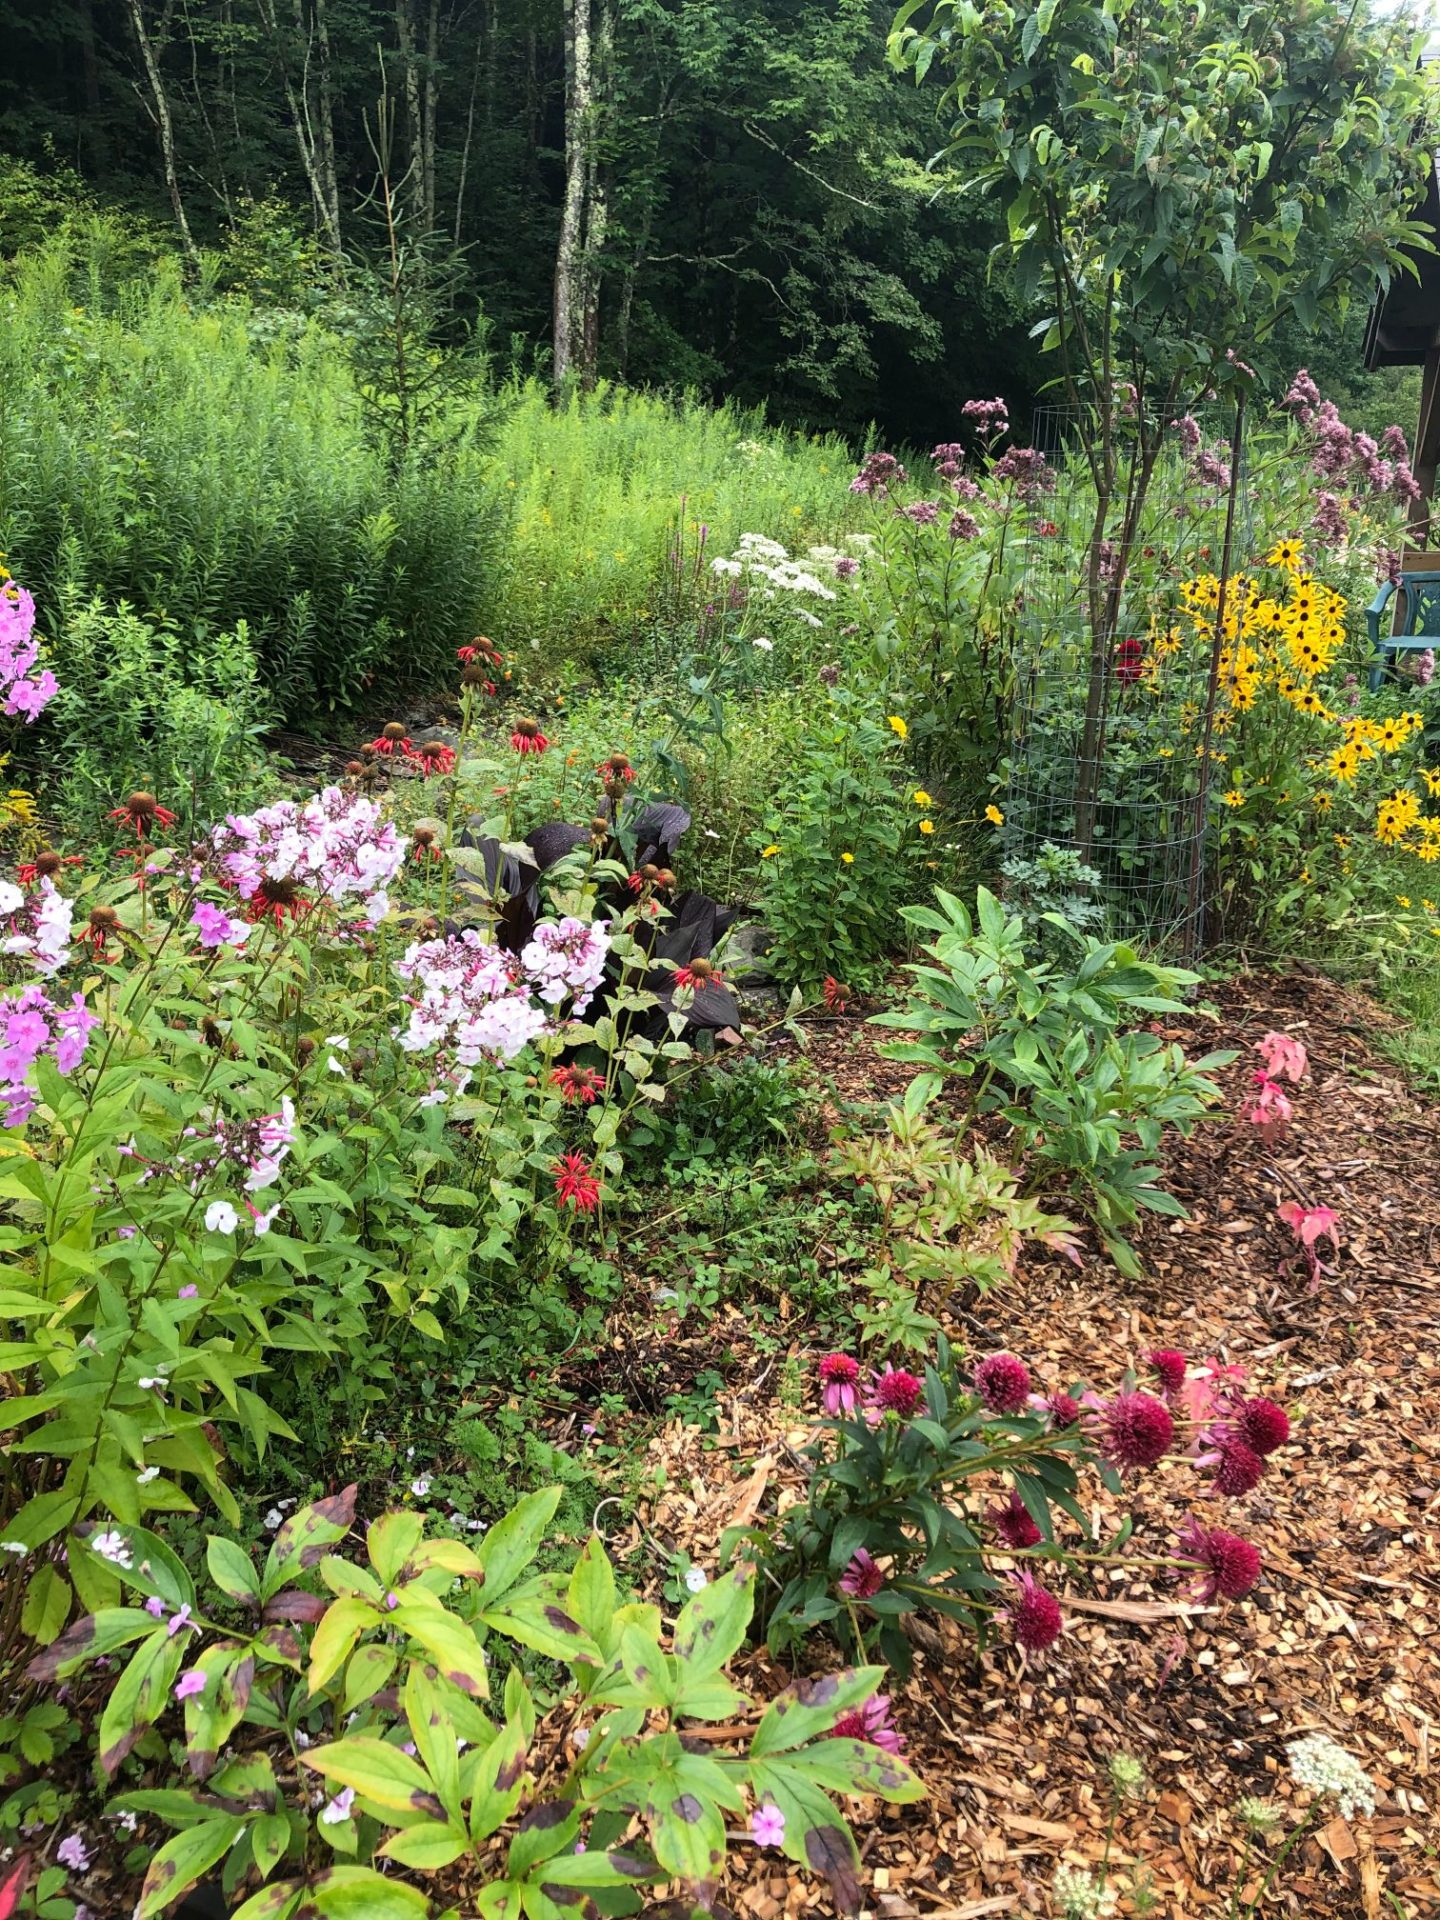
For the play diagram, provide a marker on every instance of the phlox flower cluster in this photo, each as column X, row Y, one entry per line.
column 472, row 1000
column 36, row 924
column 22, row 692
column 257, row 1147
column 336, row 844
column 31, row 1026
column 567, row 957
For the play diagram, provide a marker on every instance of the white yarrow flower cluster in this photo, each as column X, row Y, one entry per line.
column 1078, row 1895
column 1322, row 1765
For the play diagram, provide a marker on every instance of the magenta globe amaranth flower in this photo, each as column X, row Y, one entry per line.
column 1011, row 1520
column 1170, row 1367
column 1239, row 1469
column 1263, row 1425
column 1003, row 1382
column 1034, row 1618
column 1229, row 1566
column 896, row 1391
column 1134, row 1429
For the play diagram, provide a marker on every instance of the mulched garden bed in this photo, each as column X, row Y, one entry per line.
column 1340, row 1636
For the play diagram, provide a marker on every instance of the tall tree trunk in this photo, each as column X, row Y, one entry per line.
column 569, row 294
column 327, row 209
column 469, row 132
column 150, row 56
column 597, row 204
column 325, row 131
column 89, row 65
column 429, row 104
column 414, row 125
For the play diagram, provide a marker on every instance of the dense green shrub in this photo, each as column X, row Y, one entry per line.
column 143, row 705
column 163, row 455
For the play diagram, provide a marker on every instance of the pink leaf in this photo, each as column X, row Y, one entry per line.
column 1309, row 1224
column 1283, row 1056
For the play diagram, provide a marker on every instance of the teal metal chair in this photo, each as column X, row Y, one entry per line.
column 1417, row 628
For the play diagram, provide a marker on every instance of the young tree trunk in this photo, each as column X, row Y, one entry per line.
column 568, row 311
column 429, row 105
column 325, row 132
column 596, row 206
column 469, row 134
column 414, row 121
column 327, row 208
column 150, row 57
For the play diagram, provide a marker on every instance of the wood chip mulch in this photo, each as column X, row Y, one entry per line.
column 1340, row 1636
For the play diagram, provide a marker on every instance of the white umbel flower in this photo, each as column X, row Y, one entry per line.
column 1319, row 1763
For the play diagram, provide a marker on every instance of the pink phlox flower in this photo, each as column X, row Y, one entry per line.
column 767, row 1826
column 190, row 1684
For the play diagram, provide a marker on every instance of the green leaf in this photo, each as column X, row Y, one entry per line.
column 139, row 1695
column 512, row 1543
column 856, row 1767
column 450, row 1643
column 345, row 1620
column 48, row 1600
column 428, row 1846
column 269, row 1837
column 358, row 1893
column 712, row 1626
column 376, row 1770
column 231, row 1570
column 182, row 1860
column 812, row 1707
column 271, row 1903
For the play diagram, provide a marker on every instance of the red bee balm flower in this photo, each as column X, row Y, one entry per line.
column 1129, row 660
column 142, row 811
column 46, row 864
column 432, row 757
column 699, row 973
column 838, row 1375
column 1230, row 1565
column 1002, row 1382
column 575, row 1183
column 392, row 740
column 527, row 737
column 1170, row 1366
column 1135, row 1429
column 1034, row 1618
column 1263, row 1425
column 577, row 1086
column 896, row 1391
column 862, row 1577
column 1013, row 1523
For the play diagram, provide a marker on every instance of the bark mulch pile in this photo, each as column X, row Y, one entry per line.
column 1341, row 1634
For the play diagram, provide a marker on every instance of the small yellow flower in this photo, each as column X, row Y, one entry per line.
column 768, row 853
column 1235, row 798
column 1428, row 905
column 921, row 798
column 994, row 815
column 1305, row 876
column 1323, row 802
column 897, row 725
column 1402, row 899
column 927, row 826
column 848, row 858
